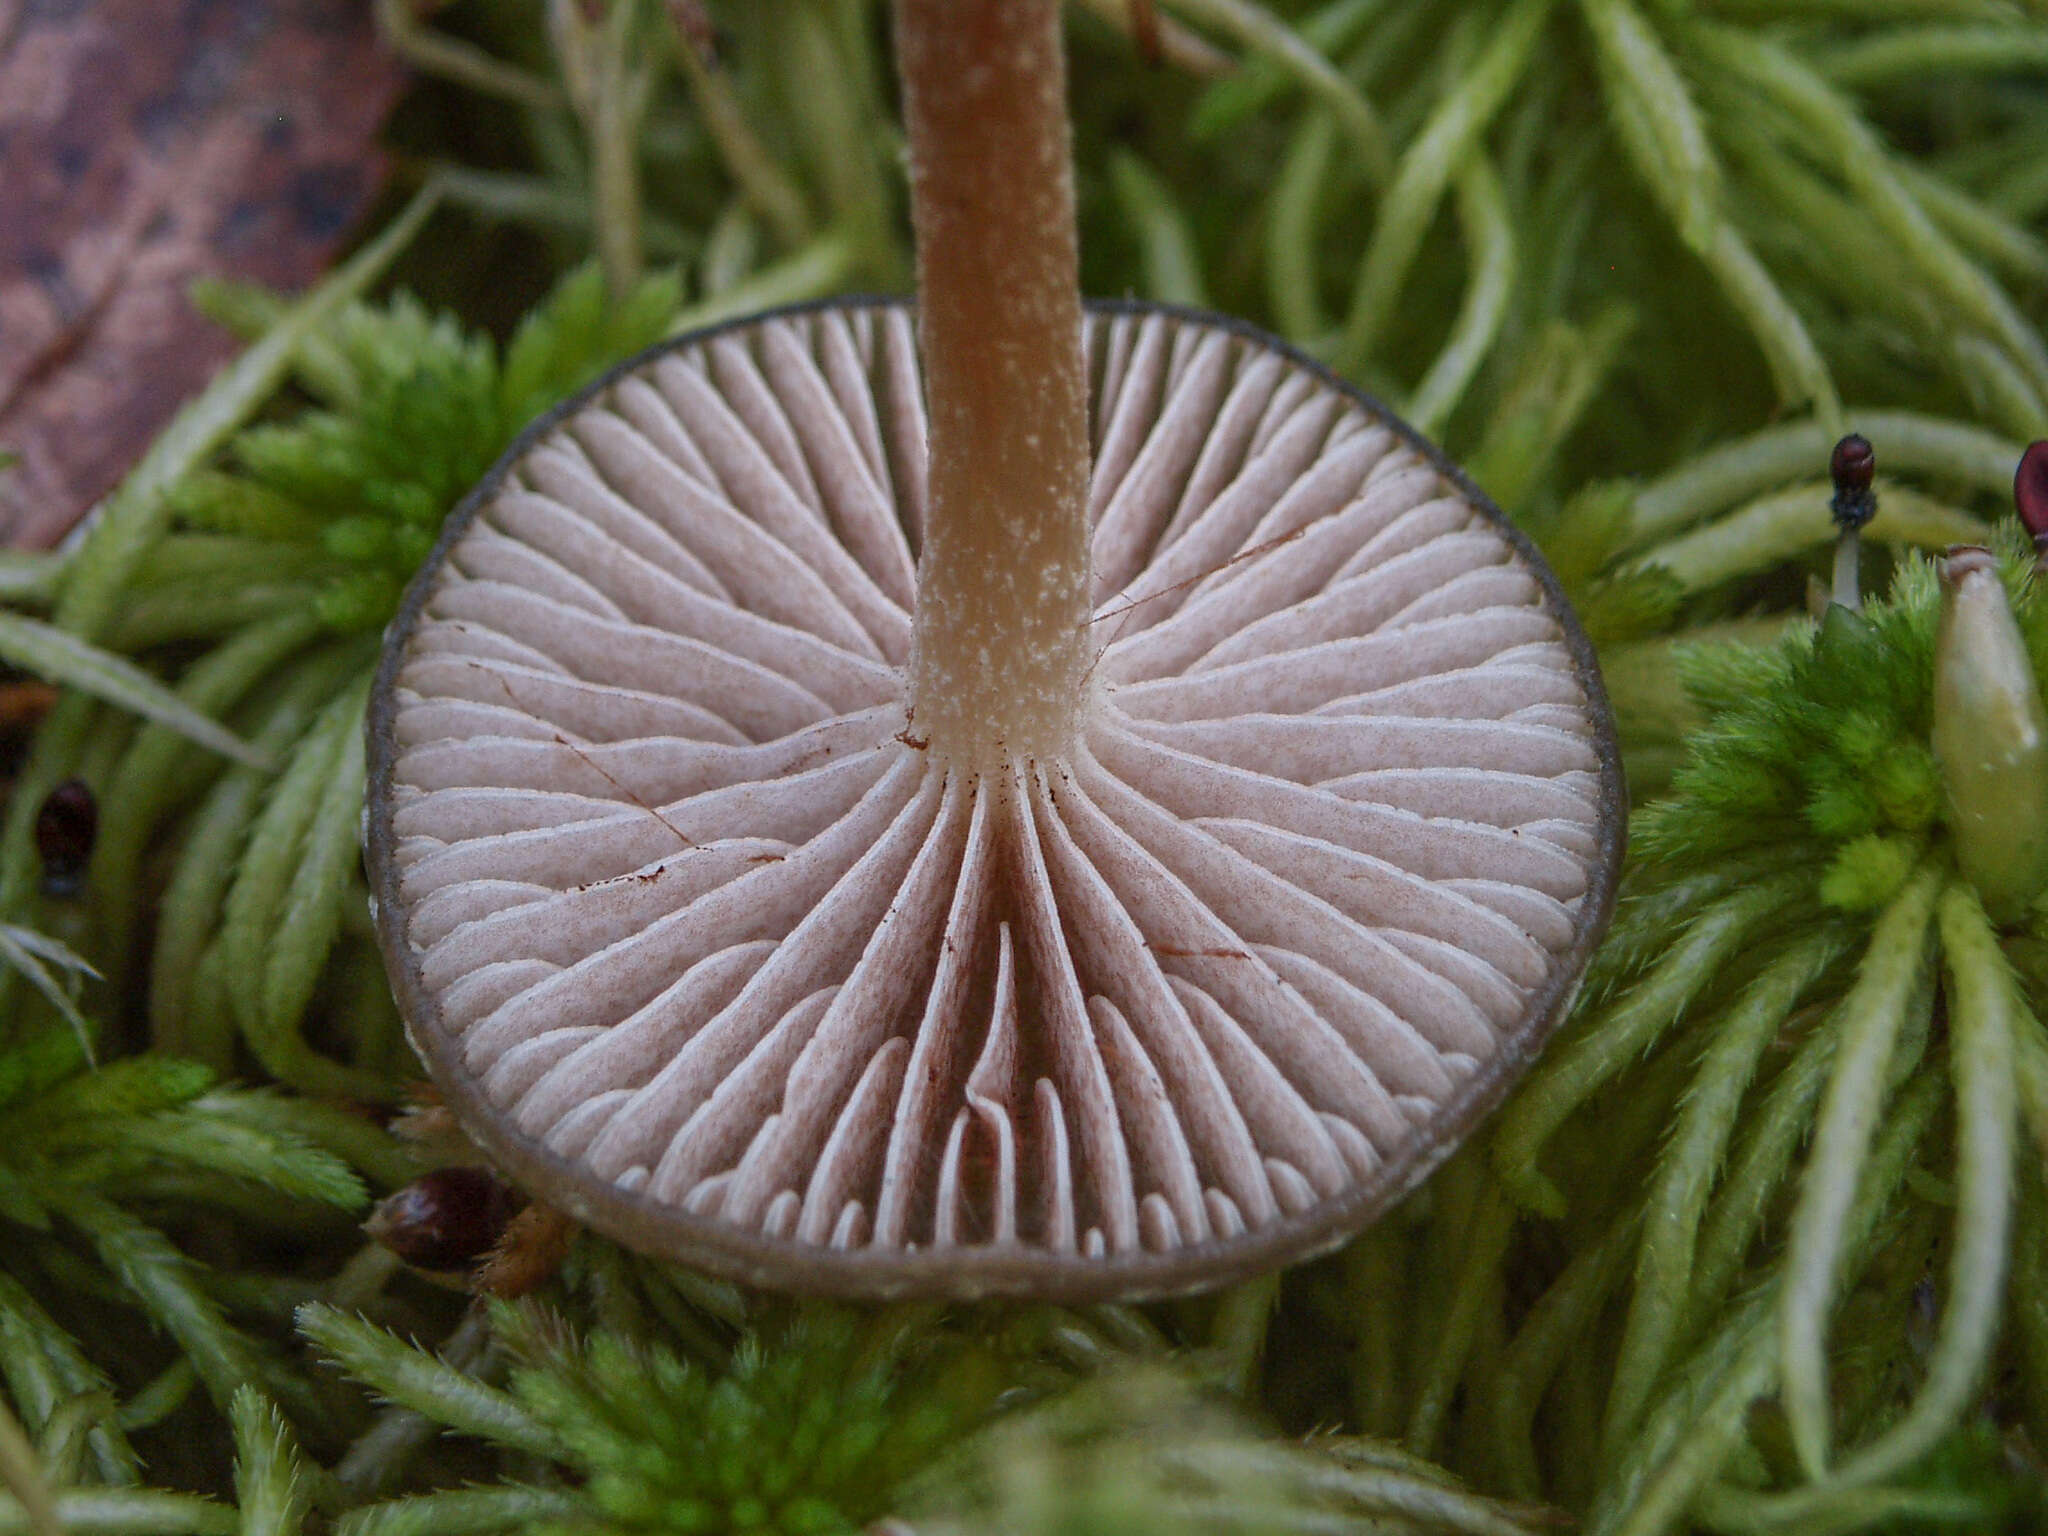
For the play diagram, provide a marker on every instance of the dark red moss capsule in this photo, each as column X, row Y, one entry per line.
column 1853, row 468
column 447, row 1219
column 67, row 824
column 2030, row 493
column 1853, row 463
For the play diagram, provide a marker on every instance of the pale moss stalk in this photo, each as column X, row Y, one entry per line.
column 1438, row 153
column 1978, row 227
column 1484, row 1244
column 1489, row 288
column 1982, row 1019
column 2009, row 400
column 1556, row 380
column 1172, row 265
column 1677, row 1199
column 762, row 182
column 1258, row 28
column 1775, row 528
column 1697, row 1423
column 465, row 1512
column 1873, row 1016
column 1911, row 442
column 67, row 1435
column 1662, row 130
column 435, row 53
column 1238, row 1334
column 22, row 1472
column 188, row 912
column 812, row 272
column 281, row 913
column 1837, row 132
column 546, row 204
column 161, row 765
column 852, row 149
column 1555, row 1327
column 609, row 86
column 1620, row 1034
column 1913, row 53
column 127, row 1512
column 1373, row 1293
column 1292, row 217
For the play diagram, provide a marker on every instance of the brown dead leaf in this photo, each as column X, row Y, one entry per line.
column 144, row 143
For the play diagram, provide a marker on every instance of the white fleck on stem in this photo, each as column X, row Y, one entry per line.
column 1001, row 651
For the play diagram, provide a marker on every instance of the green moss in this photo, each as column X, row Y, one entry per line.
column 1629, row 260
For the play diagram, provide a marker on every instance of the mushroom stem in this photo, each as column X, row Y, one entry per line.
column 1001, row 653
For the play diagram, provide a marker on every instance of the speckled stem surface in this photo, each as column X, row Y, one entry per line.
column 1000, row 659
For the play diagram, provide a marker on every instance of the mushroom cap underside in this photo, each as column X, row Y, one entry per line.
column 705, row 946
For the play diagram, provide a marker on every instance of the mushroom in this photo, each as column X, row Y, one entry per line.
column 1055, row 803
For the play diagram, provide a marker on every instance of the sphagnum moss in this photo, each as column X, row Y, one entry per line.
column 1687, row 212
column 1850, row 941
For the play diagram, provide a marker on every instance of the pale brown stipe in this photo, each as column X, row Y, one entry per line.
column 1003, row 575
column 711, row 951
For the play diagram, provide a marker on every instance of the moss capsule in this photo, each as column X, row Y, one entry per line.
column 67, row 825
column 2030, row 495
column 447, row 1219
column 1990, row 737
